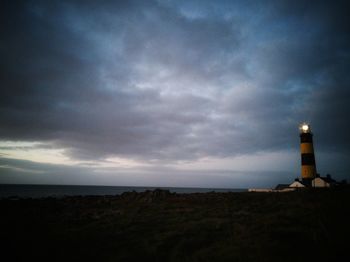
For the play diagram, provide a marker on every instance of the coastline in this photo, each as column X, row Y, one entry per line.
column 39, row 191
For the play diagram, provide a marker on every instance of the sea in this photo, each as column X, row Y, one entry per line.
column 58, row 191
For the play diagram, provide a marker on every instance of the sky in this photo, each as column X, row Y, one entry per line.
column 172, row 93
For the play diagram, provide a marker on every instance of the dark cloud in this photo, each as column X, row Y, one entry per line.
column 172, row 80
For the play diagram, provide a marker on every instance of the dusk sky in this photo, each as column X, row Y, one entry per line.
column 172, row 93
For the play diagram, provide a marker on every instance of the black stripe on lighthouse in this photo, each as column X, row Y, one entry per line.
column 308, row 159
column 306, row 138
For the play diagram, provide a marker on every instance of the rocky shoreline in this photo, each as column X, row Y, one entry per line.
column 163, row 226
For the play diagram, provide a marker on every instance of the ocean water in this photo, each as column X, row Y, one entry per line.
column 38, row 191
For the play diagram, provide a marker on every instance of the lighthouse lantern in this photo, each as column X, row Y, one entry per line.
column 304, row 128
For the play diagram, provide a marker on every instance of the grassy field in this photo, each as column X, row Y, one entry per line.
column 160, row 226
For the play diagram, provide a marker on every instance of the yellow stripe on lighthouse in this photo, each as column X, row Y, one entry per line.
column 306, row 148
column 308, row 172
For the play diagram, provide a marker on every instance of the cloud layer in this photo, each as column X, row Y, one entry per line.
column 169, row 81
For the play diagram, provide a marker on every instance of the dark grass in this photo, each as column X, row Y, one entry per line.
column 160, row 226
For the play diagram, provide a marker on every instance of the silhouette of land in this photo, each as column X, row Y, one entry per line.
column 160, row 226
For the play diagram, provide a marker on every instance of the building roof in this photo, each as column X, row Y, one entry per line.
column 298, row 183
column 281, row 186
column 327, row 179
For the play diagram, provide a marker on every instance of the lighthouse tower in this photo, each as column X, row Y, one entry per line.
column 308, row 164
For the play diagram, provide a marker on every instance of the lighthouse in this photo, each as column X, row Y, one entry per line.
column 308, row 164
